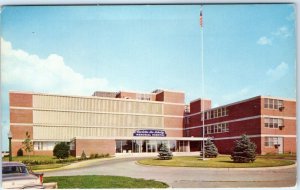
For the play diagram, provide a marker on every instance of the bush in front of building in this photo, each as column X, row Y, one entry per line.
column 61, row 150
column 83, row 156
column 211, row 151
column 164, row 153
column 20, row 152
column 244, row 150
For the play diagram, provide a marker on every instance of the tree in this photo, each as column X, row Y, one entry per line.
column 61, row 150
column 83, row 155
column 164, row 153
column 244, row 150
column 20, row 152
column 28, row 144
column 211, row 151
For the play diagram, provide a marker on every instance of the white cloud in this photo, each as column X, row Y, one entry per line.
column 278, row 72
column 264, row 41
column 282, row 32
column 24, row 71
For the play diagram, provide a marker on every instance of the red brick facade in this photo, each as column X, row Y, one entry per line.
column 244, row 117
column 94, row 146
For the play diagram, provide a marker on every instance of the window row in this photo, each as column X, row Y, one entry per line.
column 216, row 113
column 43, row 145
column 93, row 119
column 67, row 133
column 95, row 104
column 273, row 103
column 272, row 141
column 219, row 128
column 273, row 122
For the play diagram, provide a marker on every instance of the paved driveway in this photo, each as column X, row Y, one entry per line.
column 182, row 177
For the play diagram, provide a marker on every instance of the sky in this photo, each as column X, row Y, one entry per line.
column 248, row 50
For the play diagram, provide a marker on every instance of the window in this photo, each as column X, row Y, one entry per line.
column 280, row 104
column 273, row 103
column 266, row 105
column 220, row 128
column 273, row 122
column 266, row 120
column 271, row 141
column 223, row 111
column 215, row 113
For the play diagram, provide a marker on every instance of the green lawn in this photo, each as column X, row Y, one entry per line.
column 47, row 166
column 219, row 162
column 36, row 157
column 95, row 181
column 279, row 156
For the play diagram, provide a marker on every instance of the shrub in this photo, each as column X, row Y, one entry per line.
column 244, row 150
column 83, row 155
column 61, row 150
column 92, row 156
column 96, row 155
column 164, row 153
column 20, row 152
column 211, row 150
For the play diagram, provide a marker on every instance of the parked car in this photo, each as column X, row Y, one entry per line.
column 15, row 175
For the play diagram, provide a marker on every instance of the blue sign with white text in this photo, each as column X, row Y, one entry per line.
column 149, row 133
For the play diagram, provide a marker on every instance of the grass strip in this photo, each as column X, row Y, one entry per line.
column 219, row 162
column 97, row 181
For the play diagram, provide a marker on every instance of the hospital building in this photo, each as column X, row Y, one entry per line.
column 132, row 123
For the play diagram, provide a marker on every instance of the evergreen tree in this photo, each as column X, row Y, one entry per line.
column 164, row 152
column 244, row 150
column 61, row 150
column 211, row 151
column 83, row 155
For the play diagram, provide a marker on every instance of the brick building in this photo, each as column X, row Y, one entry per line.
column 121, row 123
column 269, row 122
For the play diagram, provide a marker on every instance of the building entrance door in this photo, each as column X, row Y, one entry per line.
column 151, row 146
column 280, row 147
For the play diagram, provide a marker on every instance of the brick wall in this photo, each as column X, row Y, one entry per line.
column 195, row 106
column 226, row 146
column 93, row 146
column 19, row 132
column 174, row 97
column 174, row 133
column 20, row 99
column 289, row 109
column 20, row 116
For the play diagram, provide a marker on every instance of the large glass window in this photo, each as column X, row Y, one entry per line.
column 172, row 145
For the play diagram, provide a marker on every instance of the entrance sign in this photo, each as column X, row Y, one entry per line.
column 149, row 133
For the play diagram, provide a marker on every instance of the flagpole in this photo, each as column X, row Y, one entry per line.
column 202, row 86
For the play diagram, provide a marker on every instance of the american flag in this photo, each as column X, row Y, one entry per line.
column 201, row 19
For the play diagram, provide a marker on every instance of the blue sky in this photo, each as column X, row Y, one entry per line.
column 249, row 50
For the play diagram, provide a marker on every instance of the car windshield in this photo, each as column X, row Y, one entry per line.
column 14, row 170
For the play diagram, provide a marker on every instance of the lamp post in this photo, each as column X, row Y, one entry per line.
column 9, row 140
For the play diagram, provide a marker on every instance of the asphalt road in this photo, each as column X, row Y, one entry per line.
column 183, row 177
